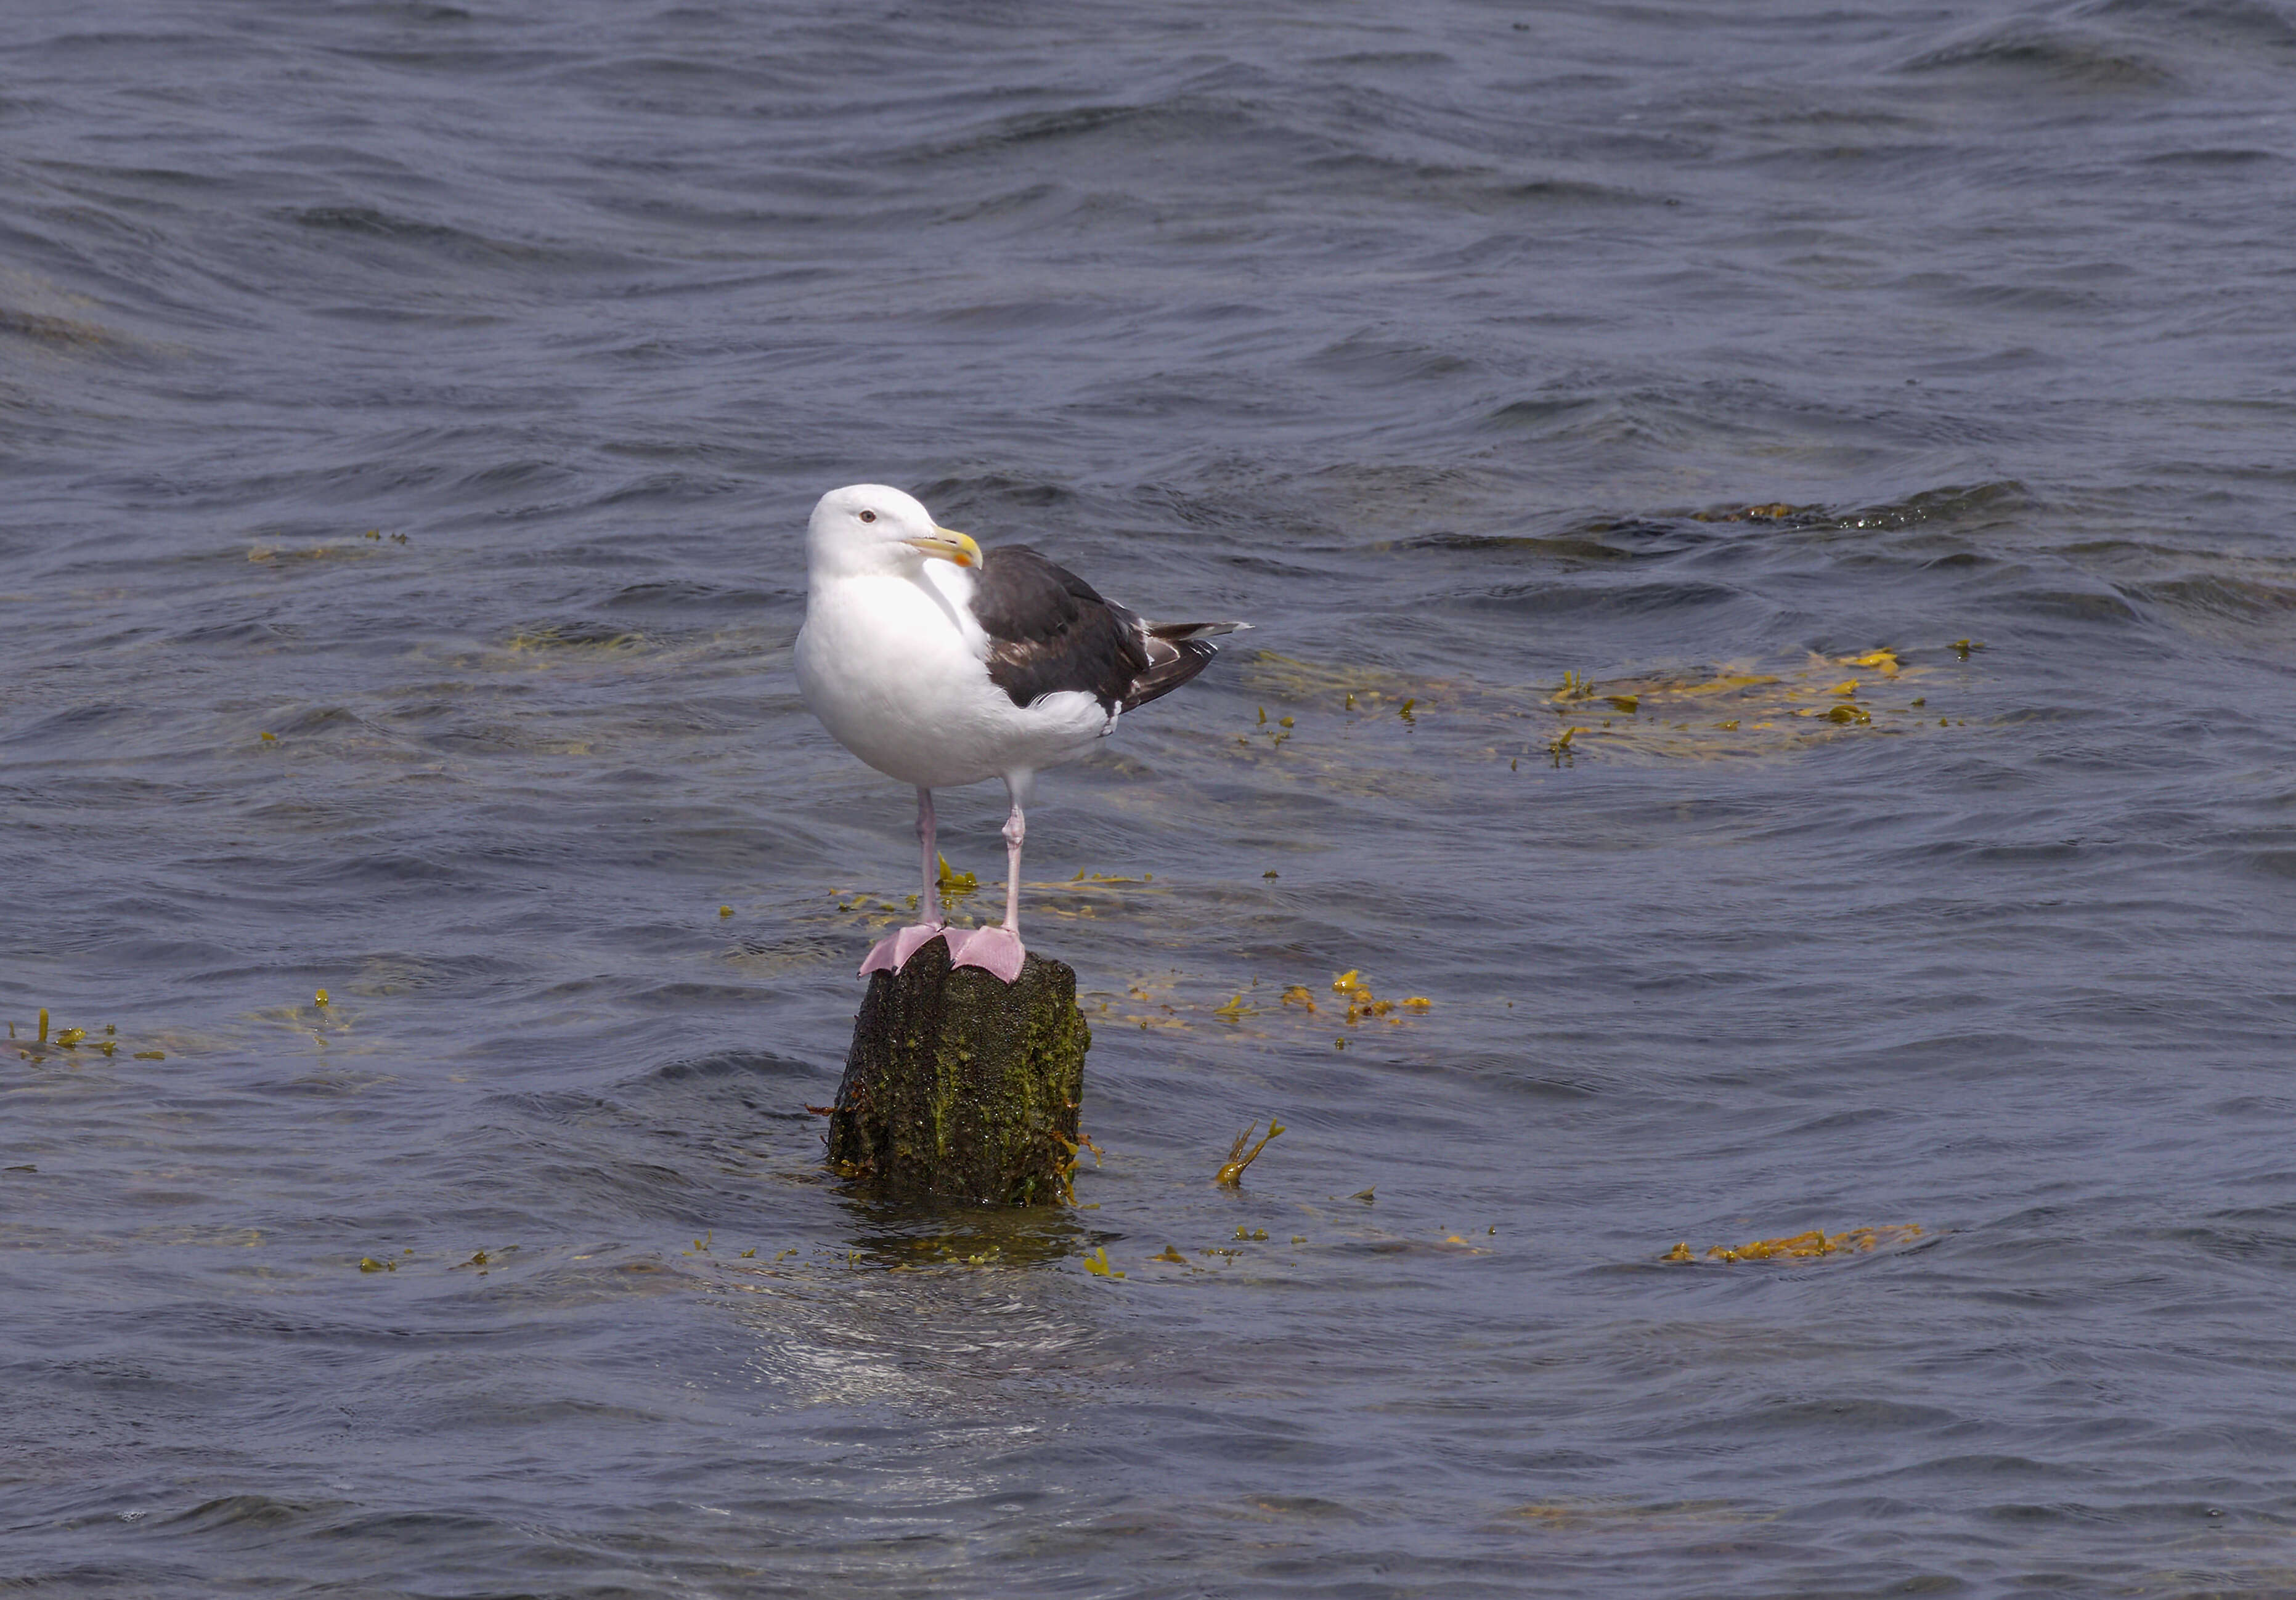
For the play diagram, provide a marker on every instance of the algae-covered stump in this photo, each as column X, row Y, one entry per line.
column 962, row 1087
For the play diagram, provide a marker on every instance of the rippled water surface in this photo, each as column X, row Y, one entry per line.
column 1768, row 530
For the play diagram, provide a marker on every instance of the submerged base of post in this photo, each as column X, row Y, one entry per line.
column 962, row 1087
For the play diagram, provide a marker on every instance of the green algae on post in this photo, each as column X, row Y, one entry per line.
column 961, row 1085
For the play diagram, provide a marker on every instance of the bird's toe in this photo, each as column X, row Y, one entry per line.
column 995, row 949
column 891, row 955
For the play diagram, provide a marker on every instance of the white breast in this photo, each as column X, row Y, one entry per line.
column 896, row 669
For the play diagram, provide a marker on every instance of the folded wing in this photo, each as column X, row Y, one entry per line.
column 1049, row 631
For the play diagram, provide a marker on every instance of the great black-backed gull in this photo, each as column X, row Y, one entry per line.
column 937, row 664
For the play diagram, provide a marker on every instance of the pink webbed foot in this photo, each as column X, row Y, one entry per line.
column 995, row 949
column 892, row 954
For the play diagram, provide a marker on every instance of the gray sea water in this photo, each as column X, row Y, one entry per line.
column 1768, row 528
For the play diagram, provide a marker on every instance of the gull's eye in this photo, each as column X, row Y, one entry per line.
column 868, row 516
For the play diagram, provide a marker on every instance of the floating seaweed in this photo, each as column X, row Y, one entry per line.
column 1805, row 1246
column 552, row 636
column 1777, row 512
column 1069, row 1168
column 1083, row 896
column 1732, row 709
column 1612, row 1519
column 1155, row 1002
column 955, row 884
column 322, row 1022
column 37, row 1048
column 274, row 555
column 1231, row 1175
column 1363, row 1004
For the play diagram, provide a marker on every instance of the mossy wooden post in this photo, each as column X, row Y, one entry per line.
column 958, row 1085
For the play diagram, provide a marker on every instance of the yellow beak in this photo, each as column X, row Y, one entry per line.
column 945, row 544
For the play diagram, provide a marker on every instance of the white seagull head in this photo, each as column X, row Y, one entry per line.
column 868, row 528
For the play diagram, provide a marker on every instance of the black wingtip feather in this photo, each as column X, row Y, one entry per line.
column 1171, row 662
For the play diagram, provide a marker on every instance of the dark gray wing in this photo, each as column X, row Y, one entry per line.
column 1049, row 631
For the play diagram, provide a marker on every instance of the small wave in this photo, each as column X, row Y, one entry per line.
column 2236, row 23
column 731, row 1065
column 371, row 223
column 1387, row 58
column 256, row 1511
column 2077, row 605
column 1477, row 190
column 684, row 595
column 1539, row 413
column 669, row 488
column 2224, row 157
column 65, row 332
column 1986, row 503
column 2211, row 595
column 1185, row 119
column 995, row 489
column 556, row 1105
column 78, row 720
column 1390, row 358
column 1639, row 599
column 244, row 633
column 2042, row 53
column 1559, row 546
column 1016, row 316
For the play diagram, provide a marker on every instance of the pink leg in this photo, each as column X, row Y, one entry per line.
column 892, row 954
column 929, row 863
column 1000, row 950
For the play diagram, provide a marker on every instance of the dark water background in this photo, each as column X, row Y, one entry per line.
column 1452, row 345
